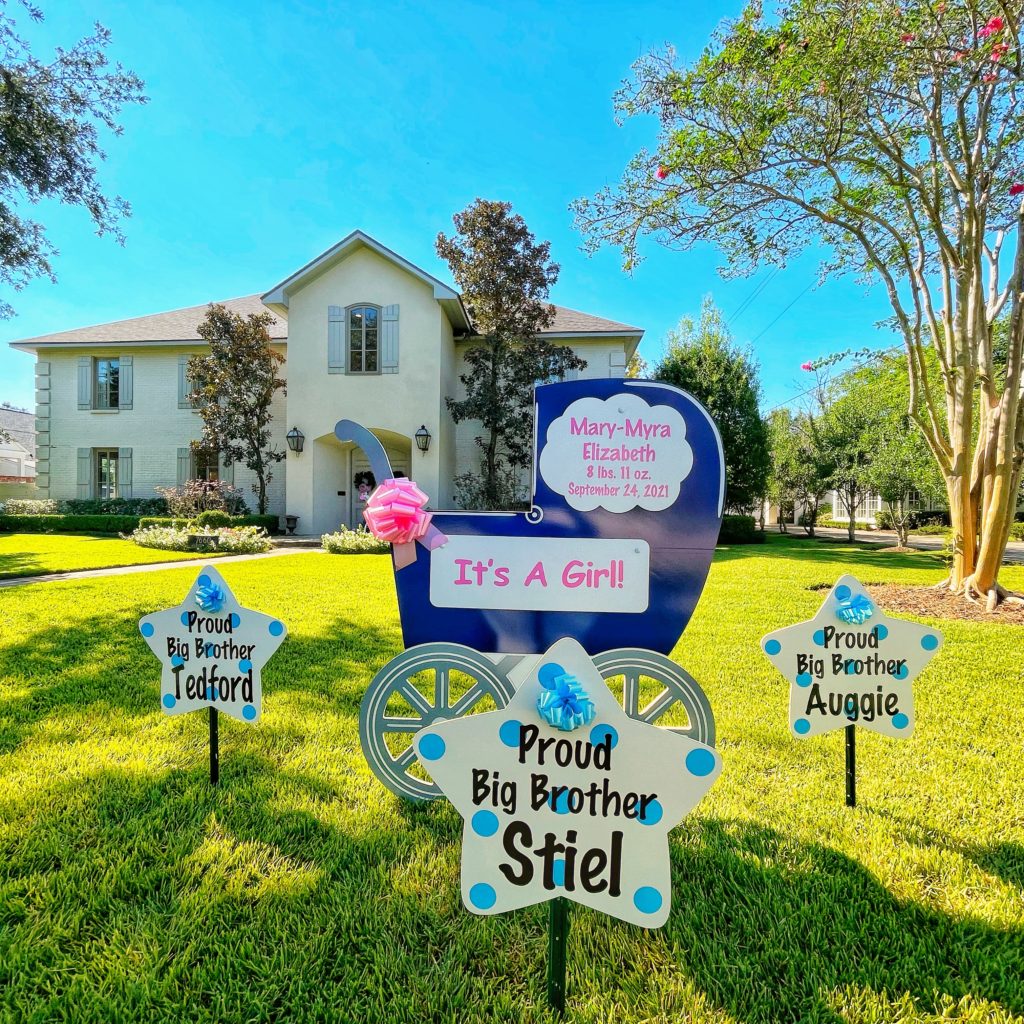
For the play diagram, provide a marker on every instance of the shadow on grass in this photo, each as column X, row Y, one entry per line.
column 19, row 563
column 814, row 550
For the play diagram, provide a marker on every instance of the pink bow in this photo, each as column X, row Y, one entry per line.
column 395, row 513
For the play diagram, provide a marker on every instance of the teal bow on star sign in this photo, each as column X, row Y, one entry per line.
column 210, row 598
column 855, row 610
column 565, row 704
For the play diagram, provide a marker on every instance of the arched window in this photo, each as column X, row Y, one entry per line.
column 363, row 339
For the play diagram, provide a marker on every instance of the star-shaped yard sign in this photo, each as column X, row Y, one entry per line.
column 584, row 813
column 851, row 663
column 212, row 650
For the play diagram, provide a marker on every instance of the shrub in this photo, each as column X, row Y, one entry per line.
column 31, row 507
column 113, row 506
column 268, row 523
column 935, row 516
column 353, row 542
column 842, row 524
column 197, row 496
column 164, row 537
column 239, row 540
column 242, row 540
column 740, row 530
column 68, row 524
column 1017, row 531
column 213, row 517
column 933, row 529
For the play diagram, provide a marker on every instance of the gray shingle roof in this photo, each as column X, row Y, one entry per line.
column 21, row 425
column 180, row 325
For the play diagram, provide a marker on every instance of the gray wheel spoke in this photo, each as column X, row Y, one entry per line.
column 405, row 758
column 631, row 693
column 401, row 724
column 413, row 696
column 659, row 706
column 441, row 689
column 472, row 696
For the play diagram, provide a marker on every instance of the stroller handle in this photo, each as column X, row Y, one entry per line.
column 349, row 430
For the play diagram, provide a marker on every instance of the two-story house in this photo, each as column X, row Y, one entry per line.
column 366, row 336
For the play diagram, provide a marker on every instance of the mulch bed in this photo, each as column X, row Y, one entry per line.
column 940, row 604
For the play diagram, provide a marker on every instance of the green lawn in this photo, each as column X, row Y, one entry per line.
column 303, row 891
column 33, row 554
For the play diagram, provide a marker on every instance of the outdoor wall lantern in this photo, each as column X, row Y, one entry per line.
column 423, row 438
column 295, row 438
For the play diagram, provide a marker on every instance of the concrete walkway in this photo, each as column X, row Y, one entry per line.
column 123, row 570
column 923, row 542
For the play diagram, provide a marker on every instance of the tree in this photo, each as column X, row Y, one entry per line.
column 234, row 387
column 889, row 133
column 50, row 116
column 504, row 276
column 797, row 480
column 637, row 367
column 702, row 359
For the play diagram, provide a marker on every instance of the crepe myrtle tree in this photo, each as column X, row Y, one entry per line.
column 504, row 276
column 51, row 115
column 891, row 134
column 233, row 388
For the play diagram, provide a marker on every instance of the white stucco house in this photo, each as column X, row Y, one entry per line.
column 17, row 445
column 366, row 336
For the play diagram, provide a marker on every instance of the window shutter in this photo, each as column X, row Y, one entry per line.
column 184, row 465
column 389, row 340
column 124, row 472
column 126, row 373
column 85, row 382
column 335, row 339
column 227, row 473
column 85, row 472
column 184, row 389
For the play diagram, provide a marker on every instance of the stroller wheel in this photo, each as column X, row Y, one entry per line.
column 422, row 685
column 636, row 669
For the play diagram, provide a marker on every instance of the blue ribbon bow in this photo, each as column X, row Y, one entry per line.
column 855, row 610
column 566, row 705
column 211, row 598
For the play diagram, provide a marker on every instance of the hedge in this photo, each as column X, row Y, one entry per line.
column 269, row 523
column 740, row 530
column 85, row 506
column 68, row 524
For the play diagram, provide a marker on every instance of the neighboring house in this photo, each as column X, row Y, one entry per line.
column 17, row 445
column 367, row 336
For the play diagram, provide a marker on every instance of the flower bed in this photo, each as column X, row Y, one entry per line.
column 236, row 540
column 354, row 542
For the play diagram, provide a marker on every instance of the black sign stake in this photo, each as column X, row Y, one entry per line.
column 851, row 766
column 558, row 935
column 214, row 749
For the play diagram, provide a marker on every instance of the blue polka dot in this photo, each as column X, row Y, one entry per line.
column 772, row 647
column 819, row 637
column 276, row 628
column 177, row 660
column 900, row 721
column 901, row 673
column 485, row 823
column 244, row 666
column 882, row 631
column 236, row 621
column 842, row 593
column 700, row 762
column 851, row 667
column 169, row 700
column 601, row 732
column 929, row 642
column 802, row 726
column 209, row 649
column 482, row 896
column 509, row 732
column 146, row 629
column 804, row 679
column 559, row 804
column 647, row 900
column 203, row 581
column 652, row 814
column 558, row 872
column 184, row 618
column 249, row 712
column 432, row 747
column 549, row 673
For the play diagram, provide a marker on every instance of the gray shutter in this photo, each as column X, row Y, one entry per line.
column 227, row 473
column 85, row 472
column 184, row 390
column 85, row 382
column 389, row 340
column 126, row 383
column 335, row 339
column 184, row 465
column 124, row 472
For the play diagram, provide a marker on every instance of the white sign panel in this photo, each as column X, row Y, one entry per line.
column 851, row 663
column 583, row 814
column 618, row 453
column 545, row 574
column 212, row 650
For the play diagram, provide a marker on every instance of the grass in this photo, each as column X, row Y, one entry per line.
column 301, row 890
column 34, row 554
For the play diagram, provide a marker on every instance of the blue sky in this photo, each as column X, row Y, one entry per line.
column 274, row 129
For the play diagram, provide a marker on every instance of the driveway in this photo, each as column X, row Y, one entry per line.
column 924, row 542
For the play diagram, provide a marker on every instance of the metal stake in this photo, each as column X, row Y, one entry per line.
column 558, row 935
column 214, row 749
column 851, row 767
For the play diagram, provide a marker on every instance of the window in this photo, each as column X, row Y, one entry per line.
column 914, row 500
column 363, row 333
column 106, row 473
column 107, row 384
column 205, row 465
